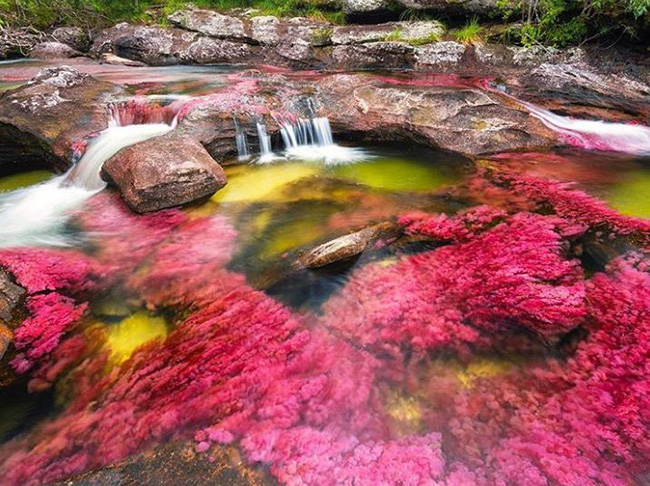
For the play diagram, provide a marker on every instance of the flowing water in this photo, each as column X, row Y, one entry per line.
column 493, row 328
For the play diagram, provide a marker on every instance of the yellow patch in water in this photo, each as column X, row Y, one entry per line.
column 632, row 196
column 406, row 413
column 292, row 234
column 24, row 179
column 261, row 183
column 131, row 333
column 482, row 368
column 394, row 174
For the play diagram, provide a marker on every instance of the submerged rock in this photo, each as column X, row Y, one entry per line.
column 53, row 50
column 345, row 247
column 163, row 172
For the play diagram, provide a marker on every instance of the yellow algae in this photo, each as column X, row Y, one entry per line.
column 24, row 179
column 481, row 368
column 123, row 338
column 292, row 234
column 261, row 183
column 395, row 174
column 632, row 196
column 405, row 411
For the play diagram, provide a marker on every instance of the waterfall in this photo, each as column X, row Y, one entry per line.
column 242, row 142
column 266, row 151
column 37, row 215
column 596, row 135
column 312, row 140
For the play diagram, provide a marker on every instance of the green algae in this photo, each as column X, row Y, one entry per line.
column 397, row 174
column 24, row 179
column 632, row 195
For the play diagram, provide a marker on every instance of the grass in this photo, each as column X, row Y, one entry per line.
column 471, row 33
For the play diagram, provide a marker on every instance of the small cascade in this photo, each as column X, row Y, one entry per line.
column 242, row 142
column 37, row 215
column 596, row 135
column 266, row 150
column 311, row 140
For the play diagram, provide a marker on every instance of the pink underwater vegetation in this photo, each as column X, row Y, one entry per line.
column 51, row 316
column 513, row 275
column 309, row 396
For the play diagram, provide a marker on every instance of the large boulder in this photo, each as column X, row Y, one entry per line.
column 53, row 50
column 373, row 55
column 415, row 32
column 464, row 120
column 162, row 172
column 210, row 23
column 75, row 37
column 460, row 7
column 41, row 121
column 365, row 9
column 11, row 298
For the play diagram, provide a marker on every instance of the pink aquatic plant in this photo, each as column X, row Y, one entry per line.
column 51, row 316
column 514, row 275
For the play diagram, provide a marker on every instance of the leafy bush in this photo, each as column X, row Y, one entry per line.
column 563, row 22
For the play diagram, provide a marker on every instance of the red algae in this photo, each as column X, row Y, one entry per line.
column 309, row 396
column 512, row 275
column 51, row 316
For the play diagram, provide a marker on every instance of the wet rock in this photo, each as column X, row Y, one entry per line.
column 439, row 54
column 402, row 31
column 219, row 465
column 11, row 298
column 467, row 121
column 374, row 54
column 108, row 58
column 53, row 50
column 6, row 338
column 41, row 122
column 210, row 23
column 265, row 30
column 163, row 172
column 75, row 37
column 346, row 247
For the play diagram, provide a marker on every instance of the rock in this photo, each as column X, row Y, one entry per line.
column 210, row 23
column 373, row 54
column 211, row 51
column 220, row 465
column 346, row 247
column 108, row 58
column 75, row 37
column 533, row 56
column 163, row 172
column 396, row 31
column 357, row 7
column 265, row 30
column 459, row 7
column 439, row 54
column 6, row 338
column 11, row 298
column 41, row 121
column 152, row 45
column 468, row 121
column 295, row 50
column 53, row 50
column 18, row 42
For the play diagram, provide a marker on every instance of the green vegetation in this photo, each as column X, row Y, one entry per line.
column 470, row 34
column 45, row 14
column 564, row 22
